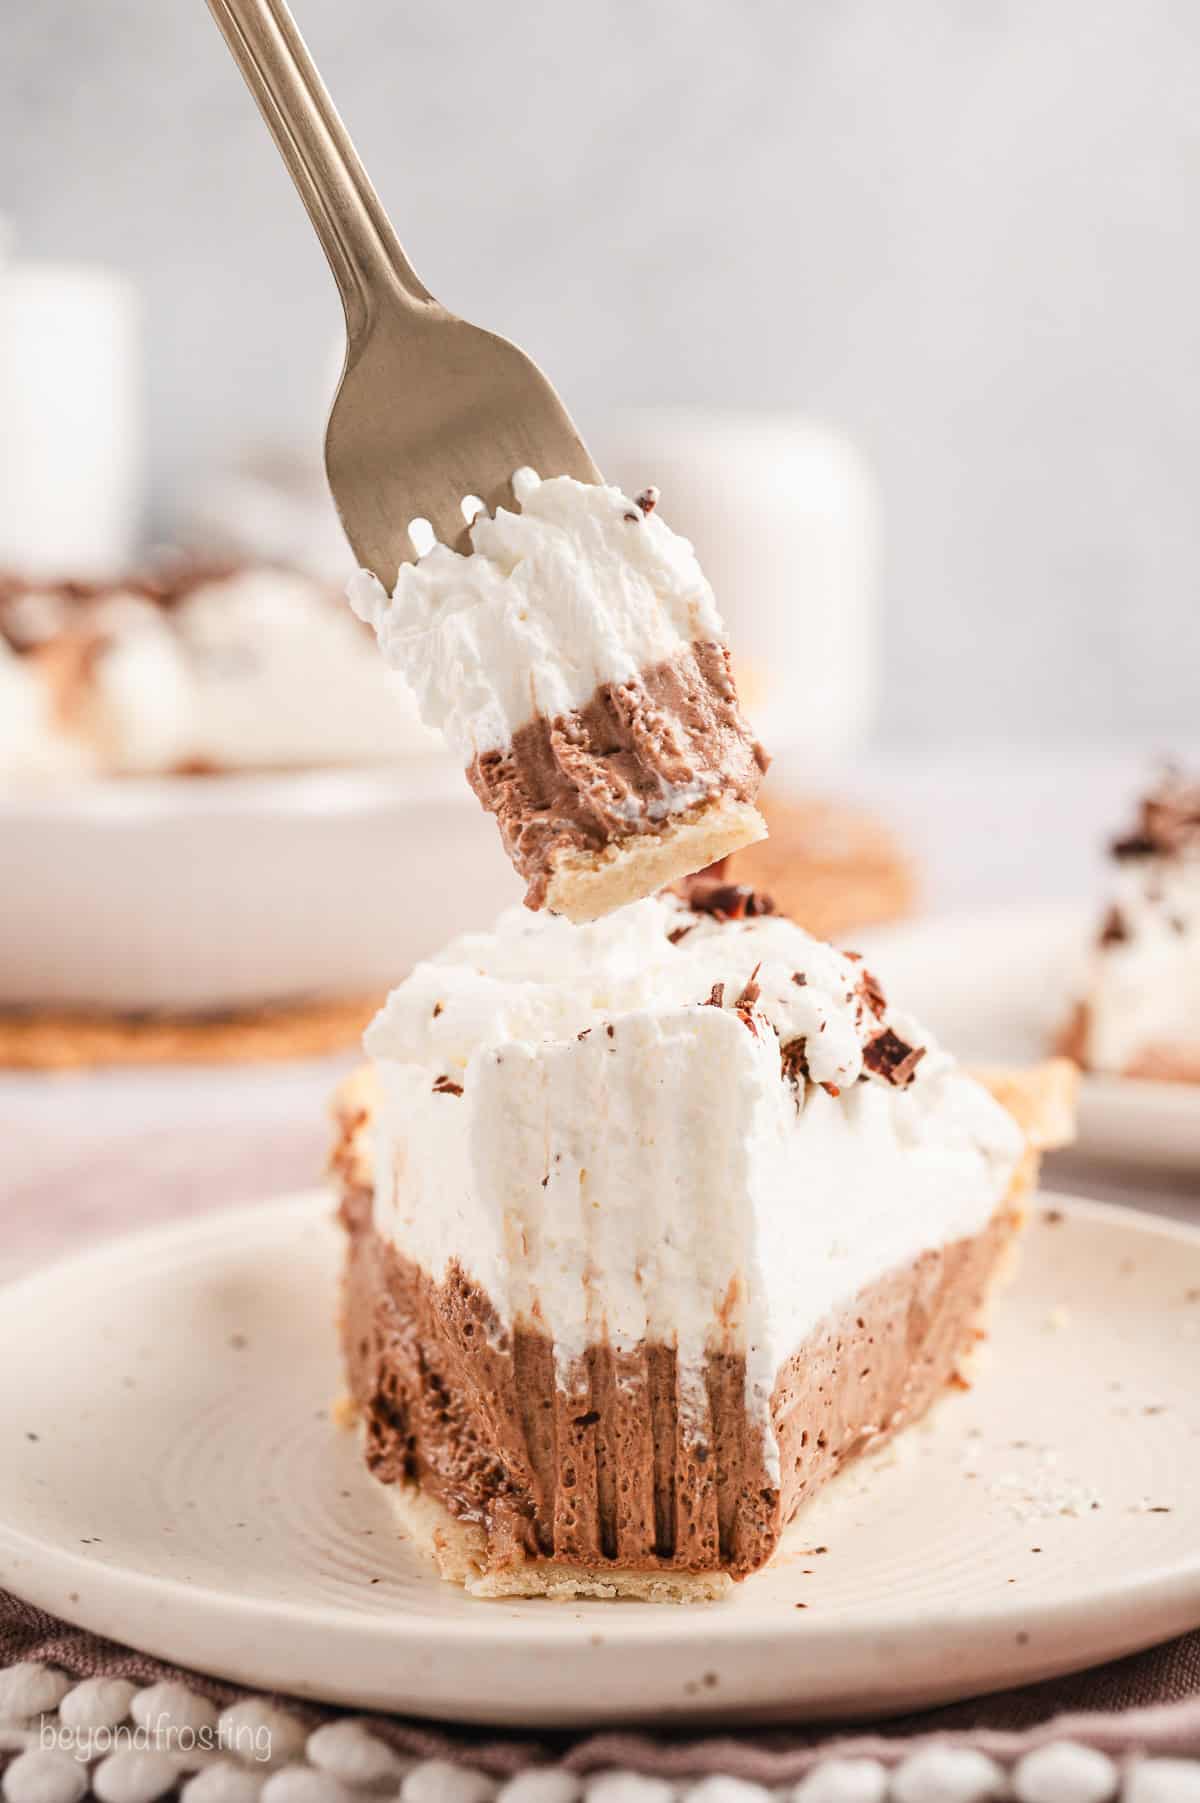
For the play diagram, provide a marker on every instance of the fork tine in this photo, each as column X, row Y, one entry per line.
column 432, row 409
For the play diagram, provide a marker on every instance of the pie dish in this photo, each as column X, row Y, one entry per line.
column 196, row 669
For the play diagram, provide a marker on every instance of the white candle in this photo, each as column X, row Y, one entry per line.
column 784, row 517
column 70, row 402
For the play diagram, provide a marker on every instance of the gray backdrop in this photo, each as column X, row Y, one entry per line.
column 965, row 230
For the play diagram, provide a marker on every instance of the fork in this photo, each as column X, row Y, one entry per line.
column 432, row 416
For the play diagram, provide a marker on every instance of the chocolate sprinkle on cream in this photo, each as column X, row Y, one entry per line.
column 446, row 1086
column 1168, row 821
column 871, row 994
column 716, row 997
column 727, row 901
column 892, row 1058
column 752, row 990
column 1114, row 930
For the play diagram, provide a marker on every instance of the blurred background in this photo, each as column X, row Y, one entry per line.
column 897, row 305
column 962, row 235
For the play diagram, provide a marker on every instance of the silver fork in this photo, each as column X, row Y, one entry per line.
column 431, row 412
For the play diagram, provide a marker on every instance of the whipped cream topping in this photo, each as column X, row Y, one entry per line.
column 581, row 588
column 538, row 980
column 602, row 1126
column 259, row 669
column 1143, row 984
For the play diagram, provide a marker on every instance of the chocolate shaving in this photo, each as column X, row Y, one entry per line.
column 446, row 1086
column 871, row 994
column 892, row 1058
column 793, row 1057
column 1114, row 930
column 716, row 997
column 437, row 1009
column 751, row 990
column 679, row 933
column 1133, row 845
column 726, row 901
column 1168, row 821
column 584, row 1033
column 799, row 979
column 647, row 500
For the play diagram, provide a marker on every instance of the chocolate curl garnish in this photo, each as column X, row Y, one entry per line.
column 751, row 991
column 716, row 997
column 870, row 993
column 892, row 1058
column 867, row 989
column 1168, row 821
column 1133, row 845
column 793, row 1057
column 726, row 901
column 647, row 500
column 1114, row 930
column 446, row 1086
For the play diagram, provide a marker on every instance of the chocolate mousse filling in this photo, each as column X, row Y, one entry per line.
column 621, row 1458
column 636, row 756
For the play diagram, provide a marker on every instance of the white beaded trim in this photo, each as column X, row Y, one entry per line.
column 106, row 1738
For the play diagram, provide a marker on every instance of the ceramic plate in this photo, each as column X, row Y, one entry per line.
column 995, row 987
column 172, row 1478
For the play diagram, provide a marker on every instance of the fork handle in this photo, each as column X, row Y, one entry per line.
column 355, row 232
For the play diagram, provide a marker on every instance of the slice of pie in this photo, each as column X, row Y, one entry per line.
column 1139, row 1012
column 577, row 664
column 653, row 1225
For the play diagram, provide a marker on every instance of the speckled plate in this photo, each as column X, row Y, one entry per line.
column 171, row 1477
column 997, row 986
